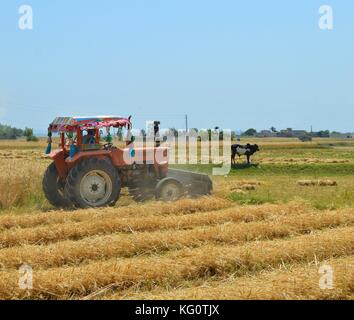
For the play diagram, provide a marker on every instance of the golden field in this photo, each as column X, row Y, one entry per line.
column 263, row 234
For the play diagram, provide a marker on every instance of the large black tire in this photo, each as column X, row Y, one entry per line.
column 93, row 183
column 169, row 189
column 53, row 187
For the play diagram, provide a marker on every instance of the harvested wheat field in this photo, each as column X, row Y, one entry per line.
column 265, row 233
column 188, row 249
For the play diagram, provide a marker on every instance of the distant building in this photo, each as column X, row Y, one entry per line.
column 303, row 135
column 299, row 133
column 339, row 135
column 265, row 134
column 290, row 133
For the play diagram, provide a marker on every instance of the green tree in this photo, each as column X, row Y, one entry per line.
column 173, row 132
column 7, row 132
column 323, row 133
column 250, row 132
column 28, row 133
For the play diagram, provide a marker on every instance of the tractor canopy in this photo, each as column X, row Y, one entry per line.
column 72, row 124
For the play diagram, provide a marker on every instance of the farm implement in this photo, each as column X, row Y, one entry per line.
column 89, row 171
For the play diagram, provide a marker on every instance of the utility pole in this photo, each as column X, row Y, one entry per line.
column 186, row 118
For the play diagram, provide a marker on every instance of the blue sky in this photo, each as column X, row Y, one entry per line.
column 236, row 64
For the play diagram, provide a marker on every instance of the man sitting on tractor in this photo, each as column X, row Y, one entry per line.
column 89, row 138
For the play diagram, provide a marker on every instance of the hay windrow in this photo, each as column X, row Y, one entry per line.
column 187, row 264
column 321, row 183
column 236, row 231
column 298, row 282
column 57, row 232
column 181, row 207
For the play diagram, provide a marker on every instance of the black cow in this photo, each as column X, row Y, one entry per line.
column 248, row 150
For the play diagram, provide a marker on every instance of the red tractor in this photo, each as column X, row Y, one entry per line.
column 88, row 173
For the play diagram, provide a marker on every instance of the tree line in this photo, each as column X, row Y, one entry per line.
column 12, row 133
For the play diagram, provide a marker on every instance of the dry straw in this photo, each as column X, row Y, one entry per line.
column 270, row 226
column 297, row 282
column 185, row 264
column 322, row 183
column 111, row 224
column 182, row 207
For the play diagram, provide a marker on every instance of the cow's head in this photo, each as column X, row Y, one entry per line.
column 256, row 147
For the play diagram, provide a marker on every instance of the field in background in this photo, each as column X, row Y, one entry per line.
column 261, row 235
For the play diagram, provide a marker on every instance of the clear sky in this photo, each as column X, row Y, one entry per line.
column 236, row 64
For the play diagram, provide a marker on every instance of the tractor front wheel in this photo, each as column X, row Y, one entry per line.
column 93, row 183
column 53, row 187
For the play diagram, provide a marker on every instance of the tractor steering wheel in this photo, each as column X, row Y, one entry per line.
column 108, row 146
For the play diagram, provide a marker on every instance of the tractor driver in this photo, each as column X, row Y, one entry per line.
column 90, row 137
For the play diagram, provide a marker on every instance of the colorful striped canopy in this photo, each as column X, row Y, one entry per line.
column 70, row 124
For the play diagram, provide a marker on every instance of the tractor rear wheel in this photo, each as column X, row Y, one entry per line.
column 53, row 187
column 93, row 183
column 169, row 189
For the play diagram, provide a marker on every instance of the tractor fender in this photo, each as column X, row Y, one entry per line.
column 101, row 154
column 58, row 157
column 81, row 156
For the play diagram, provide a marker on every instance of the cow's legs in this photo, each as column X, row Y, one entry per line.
column 248, row 159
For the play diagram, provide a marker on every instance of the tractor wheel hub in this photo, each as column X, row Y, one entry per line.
column 96, row 187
